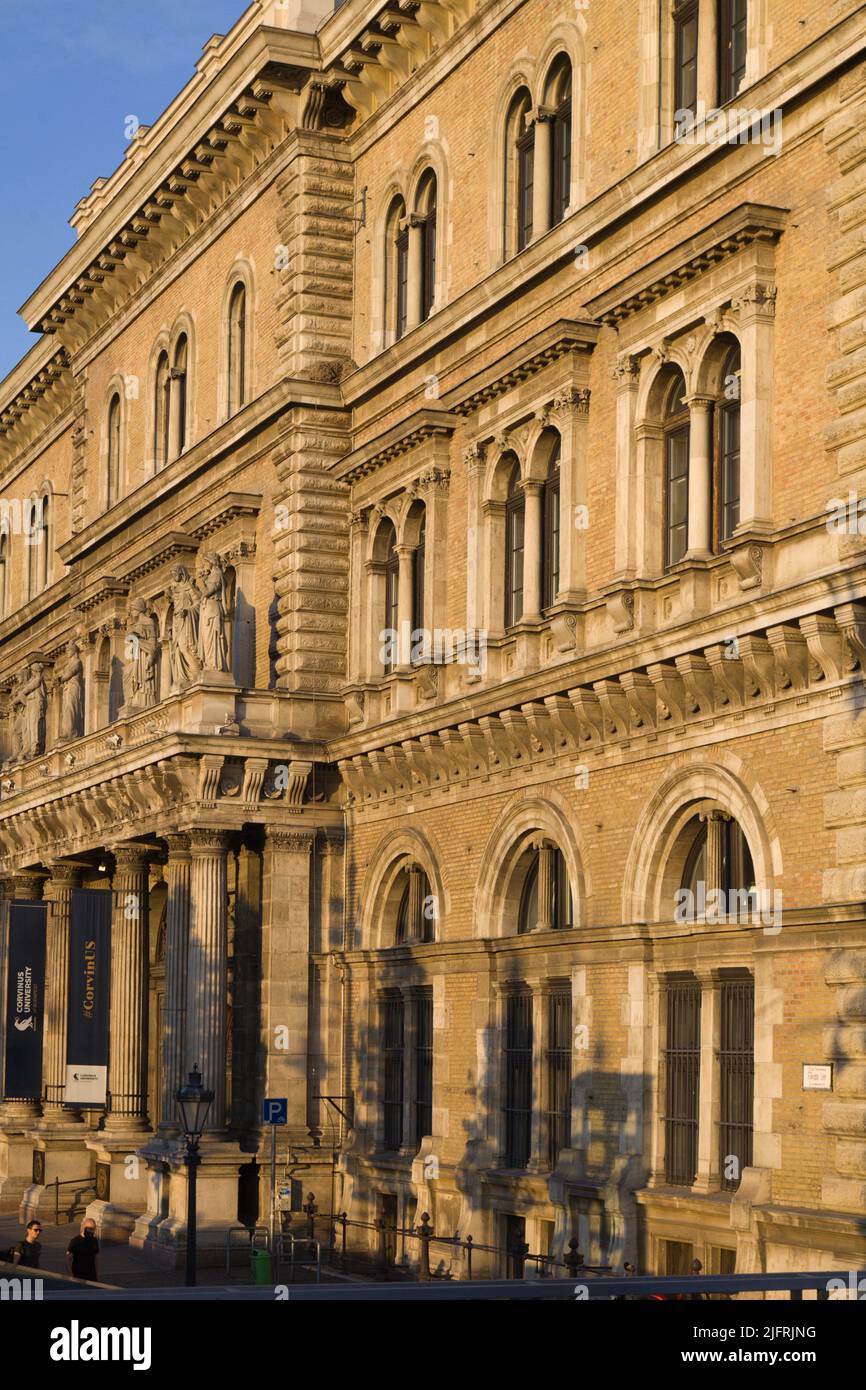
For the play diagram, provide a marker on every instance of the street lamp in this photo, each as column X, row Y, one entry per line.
column 194, row 1103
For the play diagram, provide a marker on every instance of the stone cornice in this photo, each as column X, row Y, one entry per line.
column 171, row 176
column 549, row 345
column 669, row 272
column 172, row 546
column 221, row 512
column 400, row 439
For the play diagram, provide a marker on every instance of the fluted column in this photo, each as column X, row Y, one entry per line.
column 177, row 878
column 58, row 891
column 207, row 979
column 25, row 886
column 545, row 887
column 129, row 977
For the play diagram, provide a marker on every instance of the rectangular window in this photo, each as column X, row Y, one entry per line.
column 392, row 1073
column 550, row 542
column 676, row 495
column 559, row 1073
column 683, row 1063
column 392, row 586
column 402, row 279
column 729, row 471
column 428, row 264
column 561, row 182
column 686, row 56
column 516, row 1247
column 514, row 564
column 733, row 36
column 518, row 1079
column 423, row 1066
column 736, row 1079
column 525, row 170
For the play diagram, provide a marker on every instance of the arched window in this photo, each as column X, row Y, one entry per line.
column 418, row 575
column 719, row 859
column 416, row 915
column 112, row 482
column 392, row 588
column 515, row 516
column 396, row 272
column 425, row 206
column 732, row 32
column 161, row 411
column 545, row 899
column 44, row 551
column 550, row 532
column 517, row 202
column 726, row 474
column 4, row 571
column 179, row 396
column 676, row 442
column 559, row 99
column 237, row 334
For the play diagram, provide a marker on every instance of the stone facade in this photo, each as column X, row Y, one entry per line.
column 422, row 567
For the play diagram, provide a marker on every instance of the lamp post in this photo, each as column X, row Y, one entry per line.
column 194, row 1103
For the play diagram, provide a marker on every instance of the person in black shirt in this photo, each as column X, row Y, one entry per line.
column 82, row 1252
column 28, row 1250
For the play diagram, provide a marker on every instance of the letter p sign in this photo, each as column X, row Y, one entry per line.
column 275, row 1112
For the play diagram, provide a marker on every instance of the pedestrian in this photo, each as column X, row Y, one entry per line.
column 28, row 1250
column 82, row 1252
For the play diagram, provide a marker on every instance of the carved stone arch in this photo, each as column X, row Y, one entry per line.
column 568, row 38
column 376, row 532
column 241, row 272
column 380, row 891
column 726, row 784
column 185, row 325
column 500, row 881
column 382, row 256
column 517, row 78
column 711, row 353
column 653, row 382
column 499, row 465
column 541, row 445
column 408, row 531
column 433, row 156
column 161, row 344
column 117, row 386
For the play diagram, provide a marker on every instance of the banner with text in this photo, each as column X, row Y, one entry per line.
column 89, row 987
column 25, row 1001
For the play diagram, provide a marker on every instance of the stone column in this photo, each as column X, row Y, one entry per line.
column 713, row 860
column 545, row 887
column 285, row 964
column 708, row 1171
column 174, row 422
column 541, row 169
column 24, row 886
column 129, row 976
column 756, row 314
column 532, row 489
column 58, row 891
column 700, row 477
column 177, row 877
column 708, row 91
column 414, row 272
column 207, row 976
column 538, row 1147
column 626, row 374
column 405, row 589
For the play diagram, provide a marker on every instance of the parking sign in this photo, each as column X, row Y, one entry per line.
column 275, row 1112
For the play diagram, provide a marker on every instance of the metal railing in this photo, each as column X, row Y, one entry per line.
column 83, row 1185
column 251, row 1232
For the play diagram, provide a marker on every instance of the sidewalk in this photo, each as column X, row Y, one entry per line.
column 118, row 1264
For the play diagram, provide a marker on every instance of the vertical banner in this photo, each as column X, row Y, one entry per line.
column 88, row 1000
column 25, row 999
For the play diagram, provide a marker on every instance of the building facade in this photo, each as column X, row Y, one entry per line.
column 433, row 633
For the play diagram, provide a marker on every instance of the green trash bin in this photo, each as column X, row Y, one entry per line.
column 262, row 1266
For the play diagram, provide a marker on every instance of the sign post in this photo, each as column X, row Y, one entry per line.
column 274, row 1112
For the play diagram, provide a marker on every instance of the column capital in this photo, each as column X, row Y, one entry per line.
column 178, row 845
column 64, row 873
column 25, row 885
column 208, row 840
column 532, row 487
column 290, row 841
column 131, row 858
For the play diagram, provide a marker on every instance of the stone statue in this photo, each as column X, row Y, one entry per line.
column 212, row 644
column 70, row 678
column 33, row 697
column 141, row 656
column 17, row 718
column 183, row 639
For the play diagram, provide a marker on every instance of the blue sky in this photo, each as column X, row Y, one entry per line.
column 70, row 74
